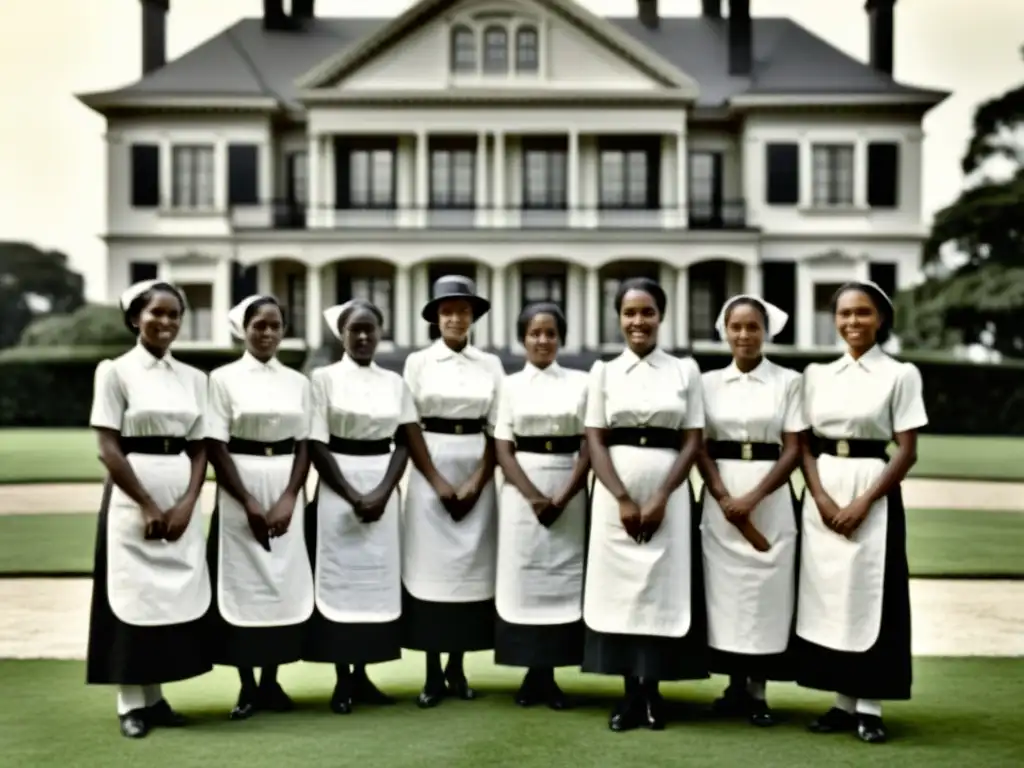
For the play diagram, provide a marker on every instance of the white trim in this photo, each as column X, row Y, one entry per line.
column 926, row 98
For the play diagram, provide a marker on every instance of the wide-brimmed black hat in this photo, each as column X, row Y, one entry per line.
column 454, row 287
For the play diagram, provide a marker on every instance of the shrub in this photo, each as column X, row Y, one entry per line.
column 91, row 325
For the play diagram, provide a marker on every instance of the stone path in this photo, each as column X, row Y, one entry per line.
column 48, row 618
column 917, row 494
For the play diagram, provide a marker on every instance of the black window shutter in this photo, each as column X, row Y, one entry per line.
column 342, row 184
column 243, row 174
column 141, row 270
column 883, row 174
column 145, row 175
column 782, row 173
column 243, row 282
column 779, row 281
column 883, row 274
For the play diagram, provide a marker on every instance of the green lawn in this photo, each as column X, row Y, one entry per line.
column 942, row 542
column 965, row 712
column 69, row 455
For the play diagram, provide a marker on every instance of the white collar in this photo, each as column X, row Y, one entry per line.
column 869, row 361
column 442, row 351
column 252, row 364
column 532, row 371
column 149, row 360
column 759, row 373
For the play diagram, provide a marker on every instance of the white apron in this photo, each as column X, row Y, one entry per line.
column 444, row 561
column 750, row 595
column 257, row 588
column 540, row 570
column 639, row 589
column 842, row 580
column 358, row 565
column 156, row 583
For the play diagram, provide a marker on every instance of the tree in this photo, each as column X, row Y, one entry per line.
column 90, row 325
column 33, row 282
column 985, row 228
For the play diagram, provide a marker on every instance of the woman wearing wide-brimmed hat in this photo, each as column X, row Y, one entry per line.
column 449, row 519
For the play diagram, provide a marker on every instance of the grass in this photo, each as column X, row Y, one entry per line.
column 965, row 712
column 941, row 542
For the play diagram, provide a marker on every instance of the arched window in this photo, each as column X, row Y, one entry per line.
column 463, row 51
column 495, row 49
column 527, row 49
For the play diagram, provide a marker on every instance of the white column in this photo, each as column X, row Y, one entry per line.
column 481, row 177
column 265, row 278
column 221, row 303
column 166, row 172
column 682, row 301
column 592, row 311
column 860, row 172
column 806, row 171
column 682, row 178
column 500, row 214
column 422, row 198
column 666, row 334
column 752, row 280
column 328, row 184
column 314, row 200
column 573, row 173
column 804, row 306
column 420, row 292
column 482, row 327
column 220, row 175
column 314, row 308
column 499, row 308
column 402, row 308
column 574, row 300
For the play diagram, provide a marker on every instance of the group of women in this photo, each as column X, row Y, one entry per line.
column 634, row 576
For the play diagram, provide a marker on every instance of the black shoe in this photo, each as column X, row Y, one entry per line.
column 529, row 693
column 555, row 697
column 630, row 714
column 246, row 706
column 272, row 698
column 654, row 710
column 458, row 686
column 134, row 725
column 365, row 692
column 734, row 702
column 834, row 721
column 760, row 714
column 870, row 729
column 433, row 693
column 341, row 698
column 162, row 716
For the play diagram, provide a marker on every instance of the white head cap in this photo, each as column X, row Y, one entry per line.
column 777, row 319
column 134, row 291
column 236, row 316
column 332, row 314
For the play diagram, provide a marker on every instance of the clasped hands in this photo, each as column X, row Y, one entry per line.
column 842, row 520
column 169, row 525
column 549, row 509
column 642, row 522
column 274, row 522
column 458, row 502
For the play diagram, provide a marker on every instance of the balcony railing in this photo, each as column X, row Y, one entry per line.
column 283, row 215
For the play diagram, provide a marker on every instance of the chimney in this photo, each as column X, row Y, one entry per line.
column 711, row 9
column 741, row 38
column 647, row 13
column 881, row 30
column 154, row 34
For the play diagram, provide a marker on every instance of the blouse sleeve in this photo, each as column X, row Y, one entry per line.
column 806, row 390
column 218, row 410
column 307, row 409
column 319, row 428
column 108, row 400
column 498, row 373
column 694, row 418
column 595, row 418
column 793, row 419
column 408, row 413
column 908, row 410
column 201, row 386
column 503, row 428
column 411, row 375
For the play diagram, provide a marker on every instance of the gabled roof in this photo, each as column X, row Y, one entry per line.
column 247, row 67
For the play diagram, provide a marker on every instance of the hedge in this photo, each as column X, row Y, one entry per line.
column 52, row 387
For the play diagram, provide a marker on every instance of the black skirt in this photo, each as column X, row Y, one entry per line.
column 780, row 667
column 648, row 656
column 884, row 671
column 447, row 627
column 332, row 642
column 125, row 654
column 235, row 646
column 533, row 645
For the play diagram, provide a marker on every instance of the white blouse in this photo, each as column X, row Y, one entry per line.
column 455, row 385
column 754, row 407
column 357, row 402
column 140, row 395
column 654, row 391
column 867, row 399
column 539, row 402
column 263, row 402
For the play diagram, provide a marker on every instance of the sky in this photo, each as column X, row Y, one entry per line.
column 52, row 175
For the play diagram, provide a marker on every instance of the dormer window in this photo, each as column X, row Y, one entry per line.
column 495, row 46
column 463, row 49
column 495, row 50
column 527, row 44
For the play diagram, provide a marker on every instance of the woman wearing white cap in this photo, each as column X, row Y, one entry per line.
column 363, row 416
column 450, row 521
column 753, row 416
column 151, row 589
column 853, row 606
column 257, row 425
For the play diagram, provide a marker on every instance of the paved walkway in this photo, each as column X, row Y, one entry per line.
column 917, row 494
column 48, row 618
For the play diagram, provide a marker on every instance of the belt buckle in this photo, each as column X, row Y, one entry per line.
column 643, row 439
column 458, row 429
column 746, row 452
column 269, row 450
column 167, row 446
column 548, row 446
column 842, row 449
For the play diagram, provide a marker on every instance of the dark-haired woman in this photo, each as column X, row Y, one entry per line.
column 644, row 596
column 257, row 424
column 541, row 512
column 151, row 588
column 753, row 415
column 362, row 416
column 853, row 606
column 449, row 518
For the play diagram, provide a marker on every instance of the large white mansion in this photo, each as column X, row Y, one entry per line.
column 541, row 149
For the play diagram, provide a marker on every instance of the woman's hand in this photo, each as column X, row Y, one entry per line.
column 652, row 515
column 848, row 519
column 177, row 518
column 257, row 520
column 154, row 527
column 630, row 515
column 279, row 517
column 827, row 509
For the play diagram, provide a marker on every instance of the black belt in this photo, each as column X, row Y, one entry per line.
column 553, row 444
column 256, row 448
column 645, row 437
column 852, row 449
column 728, row 449
column 349, row 447
column 453, row 426
column 156, row 446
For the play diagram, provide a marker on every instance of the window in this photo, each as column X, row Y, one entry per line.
column 779, row 281
column 527, row 49
column 141, row 270
column 377, row 289
column 295, row 305
column 145, row 176
column 543, row 282
column 825, row 334
column 244, row 282
column 243, row 174
column 883, row 274
column 463, row 49
column 628, row 178
column 298, row 178
column 782, row 176
column 833, row 174
column 364, row 174
column 197, row 323
column 452, row 178
column 705, row 170
column 544, row 177
column 495, row 50
column 883, row 174
column 193, row 177
column 708, row 291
